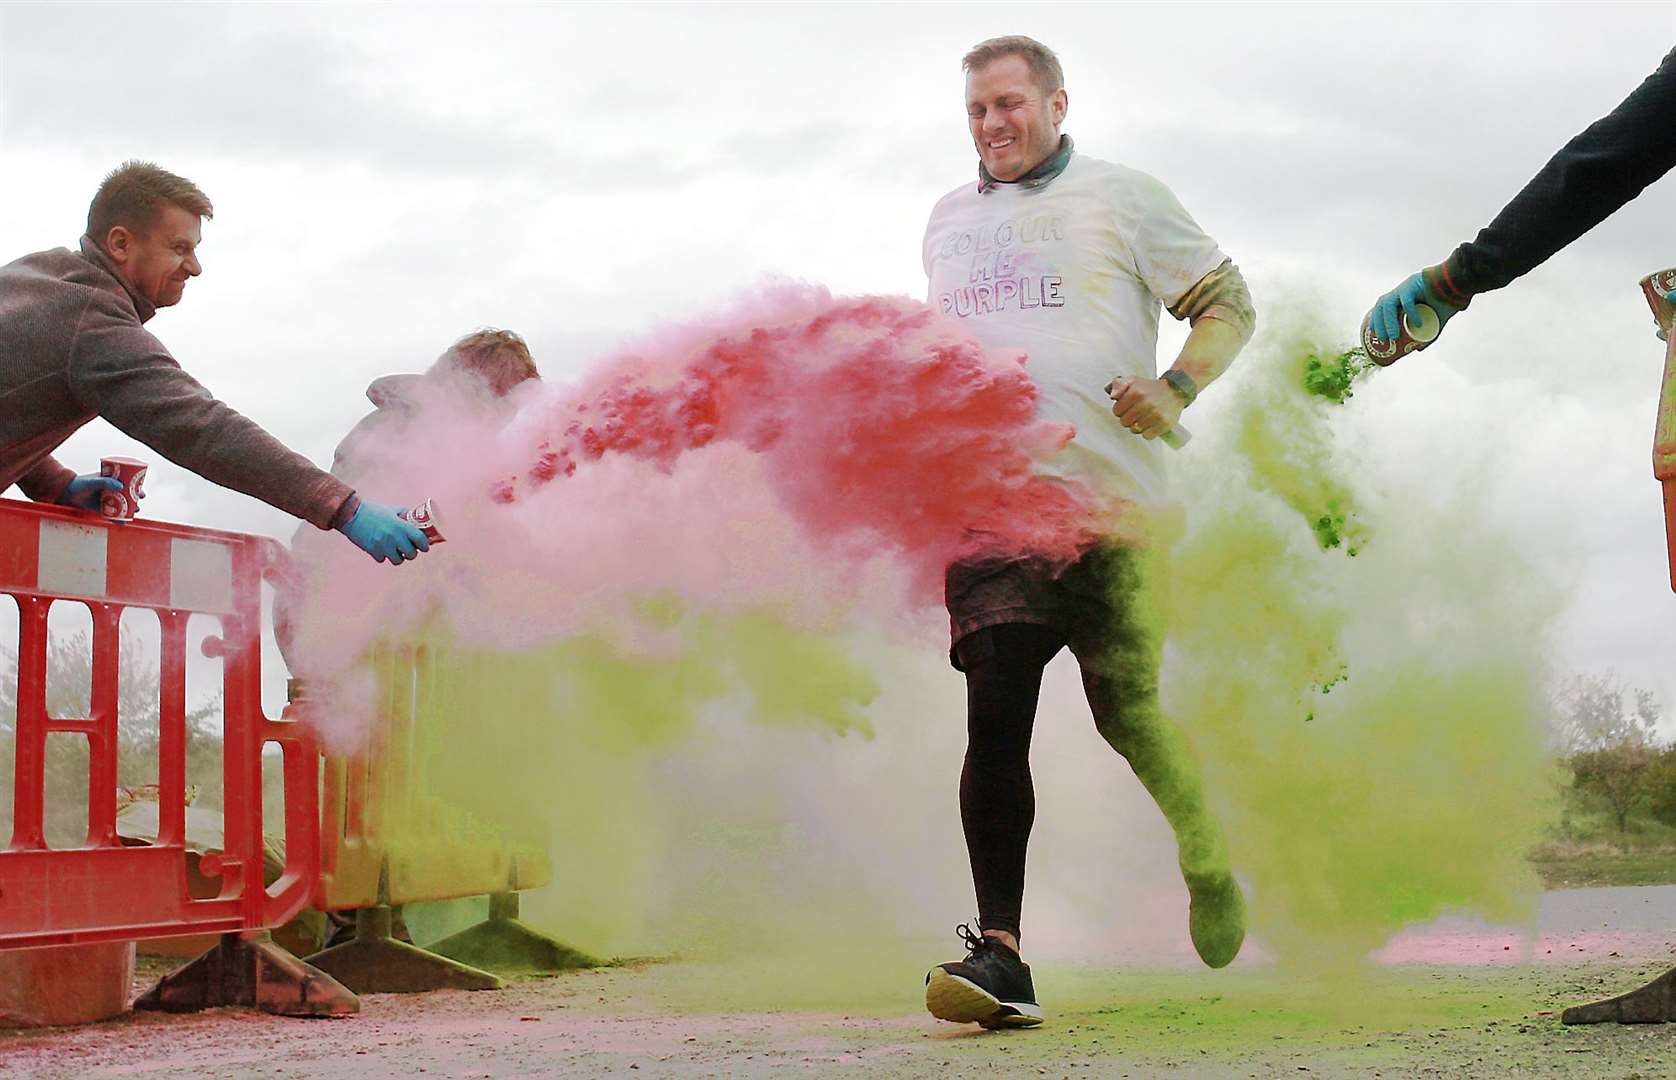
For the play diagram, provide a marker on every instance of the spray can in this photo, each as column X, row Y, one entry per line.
column 424, row 515
column 1412, row 336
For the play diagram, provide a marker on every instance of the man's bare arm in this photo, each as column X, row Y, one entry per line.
column 1219, row 309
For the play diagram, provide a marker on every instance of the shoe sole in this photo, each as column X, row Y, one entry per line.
column 962, row 1001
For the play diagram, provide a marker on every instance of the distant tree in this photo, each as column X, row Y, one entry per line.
column 1661, row 786
column 1610, row 743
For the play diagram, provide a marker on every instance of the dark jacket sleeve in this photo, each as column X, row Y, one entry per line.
column 1603, row 168
column 125, row 374
column 46, row 480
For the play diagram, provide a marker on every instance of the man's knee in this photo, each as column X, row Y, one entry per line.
column 1123, row 705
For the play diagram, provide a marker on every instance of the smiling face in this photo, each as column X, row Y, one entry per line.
column 157, row 261
column 1014, row 122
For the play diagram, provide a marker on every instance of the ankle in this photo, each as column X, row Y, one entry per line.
column 1009, row 940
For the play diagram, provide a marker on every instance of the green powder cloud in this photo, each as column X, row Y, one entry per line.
column 551, row 756
column 1371, row 729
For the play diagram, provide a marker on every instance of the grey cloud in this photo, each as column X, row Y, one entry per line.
column 786, row 150
column 148, row 75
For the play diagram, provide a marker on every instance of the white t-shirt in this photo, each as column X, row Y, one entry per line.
column 1073, row 272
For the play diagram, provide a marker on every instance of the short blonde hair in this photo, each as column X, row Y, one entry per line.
column 499, row 357
column 1044, row 65
column 133, row 192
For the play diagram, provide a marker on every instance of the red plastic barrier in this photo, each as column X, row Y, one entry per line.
column 1655, row 287
column 104, row 891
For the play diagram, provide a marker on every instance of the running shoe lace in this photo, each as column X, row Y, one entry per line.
column 973, row 938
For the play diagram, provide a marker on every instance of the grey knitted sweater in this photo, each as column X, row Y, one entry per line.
column 73, row 346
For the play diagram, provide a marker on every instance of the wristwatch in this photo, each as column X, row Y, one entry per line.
column 1182, row 383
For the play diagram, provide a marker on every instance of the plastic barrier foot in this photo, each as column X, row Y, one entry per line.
column 249, row 969
column 376, row 963
column 504, row 944
column 1654, row 1003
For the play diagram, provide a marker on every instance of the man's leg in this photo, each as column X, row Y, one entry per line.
column 1003, row 666
column 1120, row 680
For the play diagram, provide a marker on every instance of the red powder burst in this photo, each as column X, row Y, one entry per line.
column 884, row 428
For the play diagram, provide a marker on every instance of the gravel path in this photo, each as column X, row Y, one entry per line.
column 1482, row 1002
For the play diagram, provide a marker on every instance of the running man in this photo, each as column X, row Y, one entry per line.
column 1069, row 259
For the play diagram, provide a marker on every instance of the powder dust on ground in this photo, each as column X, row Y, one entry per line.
column 651, row 1020
column 1480, row 1001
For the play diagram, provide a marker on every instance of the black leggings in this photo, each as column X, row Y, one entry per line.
column 1003, row 666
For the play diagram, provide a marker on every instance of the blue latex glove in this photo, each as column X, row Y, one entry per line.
column 84, row 492
column 377, row 531
column 1403, row 298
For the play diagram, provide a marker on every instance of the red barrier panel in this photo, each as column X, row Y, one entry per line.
column 1655, row 287
column 104, row 891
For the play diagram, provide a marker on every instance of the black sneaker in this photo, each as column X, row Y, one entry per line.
column 990, row 987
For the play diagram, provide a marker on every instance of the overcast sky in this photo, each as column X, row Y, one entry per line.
column 387, row 178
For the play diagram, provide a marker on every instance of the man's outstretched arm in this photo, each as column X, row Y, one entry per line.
column 139, row 388
column 1609, row 163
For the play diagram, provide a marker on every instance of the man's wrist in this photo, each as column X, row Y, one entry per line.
column 1183, row 385
column 346, row 511
column 1440, row 282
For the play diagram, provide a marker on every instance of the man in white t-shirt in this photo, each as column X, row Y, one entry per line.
column 1069, row 259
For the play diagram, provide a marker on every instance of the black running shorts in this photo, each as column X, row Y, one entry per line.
column 1084, row 600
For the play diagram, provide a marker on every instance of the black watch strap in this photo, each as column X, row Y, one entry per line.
column 1182, row 383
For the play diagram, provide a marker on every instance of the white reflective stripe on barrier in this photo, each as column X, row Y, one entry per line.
column 200, row 575
column 72, row 559
column 132, row 566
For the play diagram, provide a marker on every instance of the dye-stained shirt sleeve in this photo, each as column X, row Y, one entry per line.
column 1171, row 253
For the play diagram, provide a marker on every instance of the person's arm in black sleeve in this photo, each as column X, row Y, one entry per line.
column 1608, row 164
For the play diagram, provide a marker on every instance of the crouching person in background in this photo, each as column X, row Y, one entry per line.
column 482, row 368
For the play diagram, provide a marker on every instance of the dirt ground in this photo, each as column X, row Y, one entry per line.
column 1454, row 999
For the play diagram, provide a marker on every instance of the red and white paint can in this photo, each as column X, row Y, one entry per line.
column 1412, row 335
column 1656, row 287
column 424, row 516
column 123, row 505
